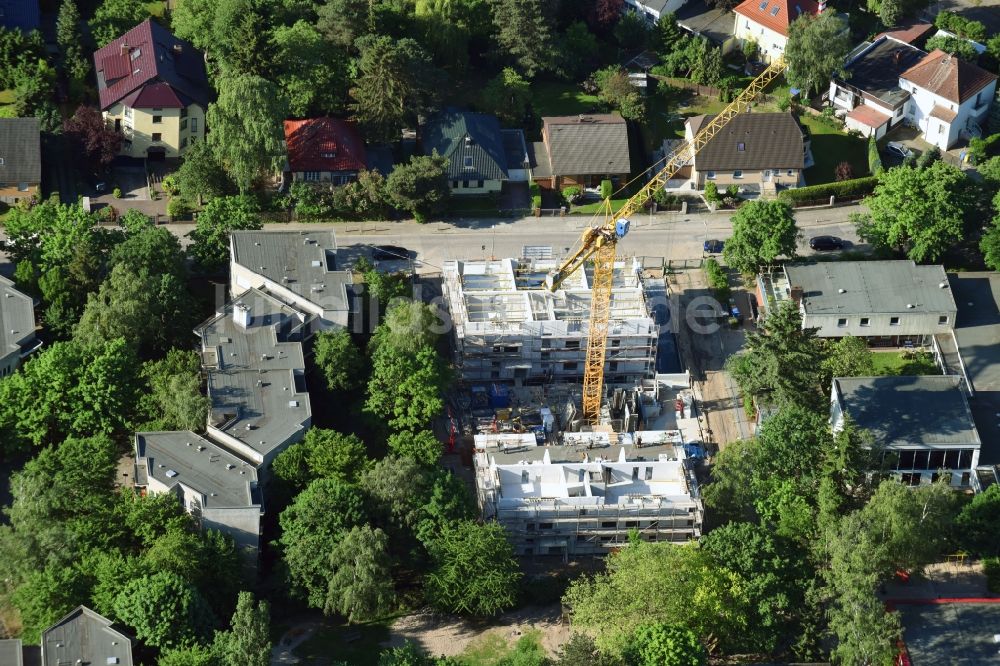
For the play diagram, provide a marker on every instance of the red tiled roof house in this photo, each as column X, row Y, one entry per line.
column 324, row 150
column 765, row 22
column 154, row 90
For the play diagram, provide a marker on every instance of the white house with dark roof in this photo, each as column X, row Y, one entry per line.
column 17, row 327
column 949, row 97
column 888, row 303
column 757, row 151
column 85, row 637
column 922, row 424
column 218, row 488
column 474, row 146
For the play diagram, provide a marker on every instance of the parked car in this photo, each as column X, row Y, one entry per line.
column 896, row 149
column 714, row 246
column 826, row 243
column 390, row 253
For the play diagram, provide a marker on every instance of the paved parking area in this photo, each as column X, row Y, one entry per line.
column 952, row 634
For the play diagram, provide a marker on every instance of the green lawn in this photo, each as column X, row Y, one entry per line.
column 830, row 147
column 357, row 644
column 156, row 8
column 904, row 363
column 561, row 99
column 6, row 102
column 597, row 206
column 485, row 205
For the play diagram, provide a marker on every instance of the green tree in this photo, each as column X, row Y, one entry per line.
column 222, row 215
column 361, row 585
column 343, row 21
column 666, row 645
column 193, row 20
column 386, row 287
column 581, row 650
column 667, row 35
column 659, row 582
column 200, row 175
column 976, row 523
column 397, row 489
column 616, row 90
column 405, row 389
column 917, row 211
column 524, row 34
column 16, row 48
column 954, row 45
column 165, row 610
column 473, row 570
column 247, row 642
column 311, row 527
column 70, row 41
column 423, row 446
column 407, row 654
column 46, row 596
column 448, row 501
column 762, row 232
column 847, row 357
column 817, row 46
column 153, row 249
column 240, row 38
column 339, row 359
column 173, row 399
column 396, row 83
column 321, row 454
column 113, row 18
column 779, row 360
column 34, row 87
column 408, row 327
column 149, row 310
column 706, row 63
column 195, row 655
column 311, row 72
column 420, row 186
column 578, row 50
column 507, row 96
column 246, row 121
column 989, row 245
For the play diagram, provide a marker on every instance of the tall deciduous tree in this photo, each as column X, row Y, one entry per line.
column 200, row 175
column 662, row 644
column 405, row 388
column 343, row 21
column 507, row 96
column 817, row 48
column 164, row 610
column 113, row 18
column 174, row 400
column 616, row 90
column 420, row 186
column 247, row 642
column 312, row 74
column 222, row 216
column 524, row 33
column 395, row 84
column 917, row 211
column 339, row 359
column 361, row 585
column 474, row 571
column 762, row 232
column 246, row 122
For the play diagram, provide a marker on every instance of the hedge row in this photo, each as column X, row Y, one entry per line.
column 843, row 188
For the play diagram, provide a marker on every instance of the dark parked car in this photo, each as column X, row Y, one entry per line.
column 390, row 253
column 826, row 243
column 714, row 246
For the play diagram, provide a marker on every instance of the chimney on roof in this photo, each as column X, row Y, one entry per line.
column 241, row 315
column 796, row 294
column 178, row 49
column 123, row 49
column 897, row 56
column 822, row 7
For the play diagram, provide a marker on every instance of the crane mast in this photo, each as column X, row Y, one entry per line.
column 599, row 242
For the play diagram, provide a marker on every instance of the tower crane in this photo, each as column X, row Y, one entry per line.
column 599, row 242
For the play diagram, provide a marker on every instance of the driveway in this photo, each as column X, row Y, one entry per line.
column 131, row 180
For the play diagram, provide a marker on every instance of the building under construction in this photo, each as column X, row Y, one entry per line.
column 562, row 488
column 508, row 326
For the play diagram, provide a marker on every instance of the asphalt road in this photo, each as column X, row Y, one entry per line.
column 669, row 235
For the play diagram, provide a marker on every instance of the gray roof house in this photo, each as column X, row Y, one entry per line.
column 474, row 146
column 217, row 487
column 582, row 150
column 298, row 268
column 887, row 302
column 20, row 159
column 923, row 423
column 252, row 355
column 85, row 637
column 17, row 327
column 11, row 652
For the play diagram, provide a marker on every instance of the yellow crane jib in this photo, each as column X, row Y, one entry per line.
column 598, row 243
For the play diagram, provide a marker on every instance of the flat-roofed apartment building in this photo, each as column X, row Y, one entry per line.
column 923, row 424
column 218, row 488
column 507, row 325
column 584, row 496
column 889, row 303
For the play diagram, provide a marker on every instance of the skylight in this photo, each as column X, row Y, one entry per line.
column 763, row 5
column 775, row 10
column 135, row 54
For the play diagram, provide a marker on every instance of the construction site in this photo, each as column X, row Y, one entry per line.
column 561, row 486
column 507, row 325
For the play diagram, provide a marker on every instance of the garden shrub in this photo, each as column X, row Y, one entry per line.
column 179, row 208
column 718, row 280
column 844, row 188
column 536, row 194
column 572, row 194
column 607, row 189
column 991, row 567
column 874, row 159
column 712, row 193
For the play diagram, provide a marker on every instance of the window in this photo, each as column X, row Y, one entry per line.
column 791, row 172
column 569, row 367
column 22, row 187
column 649, row 474
column 311, row 176
column 608, row 523
column 635, row 473
column 775, row 10
column 545, row 526
column 741, row 146
column 866, row 321
column 893, row 321
column 1, row 161
column 710, row 175
column 134, row 55
column 763, row 5
column 184, row 112
column 465, row 184
column 479, row 184
column 737, row 174
column 910, row 479
column 157, row 120
column 128, row 112
column 157, row 137
column 942, row 319
column 940, row 129
column 184, row 142
column 524, row 478
column 841, row 323
column 194, row 125
column 157, row 108
column 184, row 124
column 572, row 344
column 468, row 163
column 966, row 478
